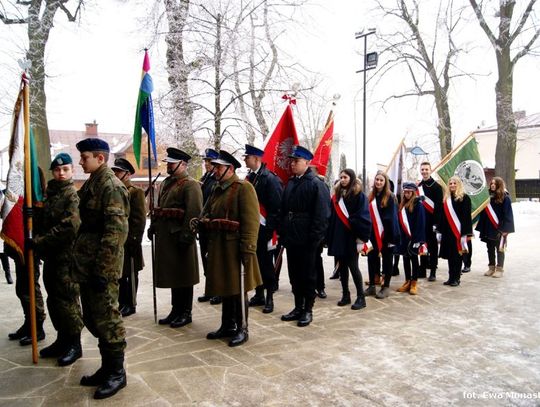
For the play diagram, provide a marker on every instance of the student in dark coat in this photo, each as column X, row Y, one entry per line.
column 455, row 227
column 495, row 223
column 412, row 222
column 384, row 233
column 349, row 227
column 304, row 219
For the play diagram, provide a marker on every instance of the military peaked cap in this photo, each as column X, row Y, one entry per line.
column 251, row 150
column 122, row 164
column 409, row 186
column 174, row 155
column 61, row 159
column 226, row 158
column 93, row 144
column 301, row 152
column 210, row 154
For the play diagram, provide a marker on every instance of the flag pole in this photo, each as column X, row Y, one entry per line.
column 29, row 252
column 451, row 154
column 151, row 207
column 395, row 154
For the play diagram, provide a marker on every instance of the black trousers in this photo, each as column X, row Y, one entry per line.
column 347, row 264
column 431, row 260
column 182, row 299
column 266, row 263
column 455, row 261
column 493, row 252
column 231, row 312
column 302, row 274
column 5, row 261
column 320, row 269
column 128, row 286
column 411, row 273
column 467, row 257
column 374, row 265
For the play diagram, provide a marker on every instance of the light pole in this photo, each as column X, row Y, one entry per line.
column 370, row 62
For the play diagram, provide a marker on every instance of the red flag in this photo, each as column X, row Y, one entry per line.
column 280, row 145
column 324, row 149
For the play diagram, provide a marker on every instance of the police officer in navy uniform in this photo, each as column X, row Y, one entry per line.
column 304, row 220
column 208, row 181
column 269, row 191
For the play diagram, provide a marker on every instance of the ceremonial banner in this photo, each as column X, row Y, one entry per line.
column 464, row 161
column 396, row 168
column 280, row 145
column 322, row 153
column 144, row 115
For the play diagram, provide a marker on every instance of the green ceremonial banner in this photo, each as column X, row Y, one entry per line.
column 464, row 161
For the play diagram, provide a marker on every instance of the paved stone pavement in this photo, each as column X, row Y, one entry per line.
column 477, row 344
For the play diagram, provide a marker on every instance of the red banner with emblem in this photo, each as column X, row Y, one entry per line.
column 321, row 156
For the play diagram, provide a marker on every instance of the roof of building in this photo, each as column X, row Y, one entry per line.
column 523, row 121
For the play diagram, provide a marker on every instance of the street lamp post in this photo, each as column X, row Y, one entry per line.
column 370, row 62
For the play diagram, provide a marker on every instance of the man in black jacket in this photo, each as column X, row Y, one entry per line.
column 433, row 199
column 304, row 219
column 269, row 190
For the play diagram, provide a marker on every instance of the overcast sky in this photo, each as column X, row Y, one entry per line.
column 94, row 73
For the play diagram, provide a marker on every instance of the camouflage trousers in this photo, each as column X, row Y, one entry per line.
column 62, row 298
column 22, row 290
column 102, row 318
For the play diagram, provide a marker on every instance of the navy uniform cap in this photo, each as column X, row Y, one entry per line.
column 93, row 144
column 301, row 152
column 210, row 154
column 409, row 186
column 174, row 155
column 61, row 159
column 251, row 150
column 122, row 164
column 226, row 158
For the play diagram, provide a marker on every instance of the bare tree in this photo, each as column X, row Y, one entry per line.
column 504, row 44
column 430, row 61
column 39, row 16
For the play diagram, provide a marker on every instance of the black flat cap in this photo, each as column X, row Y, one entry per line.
column 122, row 164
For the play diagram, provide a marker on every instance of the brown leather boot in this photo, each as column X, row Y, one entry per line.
column 490, row 271
column 413, row 289
column 405, row 287
column 498, row 272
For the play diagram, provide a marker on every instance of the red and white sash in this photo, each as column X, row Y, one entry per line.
column 404, row 222
column 455, row 225
column 341, row 211
column 272, row 243
column 427, row 202
column 492, row 216
column 376, row 220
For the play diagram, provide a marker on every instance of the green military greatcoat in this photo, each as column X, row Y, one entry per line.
column 176, row 262
column 234, row 200
column 137, row 223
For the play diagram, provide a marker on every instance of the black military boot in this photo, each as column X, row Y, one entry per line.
column 24, row 330
column 345, row 299
column 95, row 379
column 297, row 311
column 269, row 305
column 204, row 298
column 114, row 379
column 216, row 300
column 359, row 303
column 432, row 275
column 72, row 352
column 169, row 318
column 307, row 316
column 181, row 320
column 55, row 349
column 27, row 340
column 258, row 298
column 242, row 334
column 228, row 321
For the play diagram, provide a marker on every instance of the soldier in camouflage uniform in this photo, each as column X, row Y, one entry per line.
column 98, row 255
column 133, row 256
column 56, row 231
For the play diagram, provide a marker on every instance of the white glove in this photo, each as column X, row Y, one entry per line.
column 439, row 237
column 464, row 244
column 416, row 245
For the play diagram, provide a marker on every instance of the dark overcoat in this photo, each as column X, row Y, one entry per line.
column 390, row 223
column 505, row 216
column 233, row 200
column 433, row 191
column 448, row 240
column 176, row 262
column 137, row 223
column 417, row 226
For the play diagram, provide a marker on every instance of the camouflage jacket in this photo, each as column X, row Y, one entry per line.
column 104, row 209
column 59, row 221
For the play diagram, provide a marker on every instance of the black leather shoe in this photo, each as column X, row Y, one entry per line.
column 215, row 300
column 294, row 315
column 181, row 320
column 54, row 350
column 19, row 333
column 27, row 340
column 222, row 333
column 204, row 298
column 321, row 293
column 371, row 291
column 112, row 384
column 359, row 303
column 447, row 282
column 256, row 301
column 466, row 269
column 127, row 311
column 345, row 300
column 169, row 318
column 73, row 352
column 269, row 303
column 454, row 284
column 305, row 319
column 95, row 379
column 241, row 337
column 432, row 276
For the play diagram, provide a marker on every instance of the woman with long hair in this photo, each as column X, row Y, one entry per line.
column 496, row 221
column 456, row 227
column 349, row 227
column 412, row 222
column 384, row 234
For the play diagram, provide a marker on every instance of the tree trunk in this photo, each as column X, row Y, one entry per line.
column 444, row 125
column 505, row 152
column 217, row 85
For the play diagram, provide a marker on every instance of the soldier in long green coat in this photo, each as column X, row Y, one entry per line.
column 176, row 261
column 56, row 231
column 133, row 256
column 232, row 222
column 98, row 255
